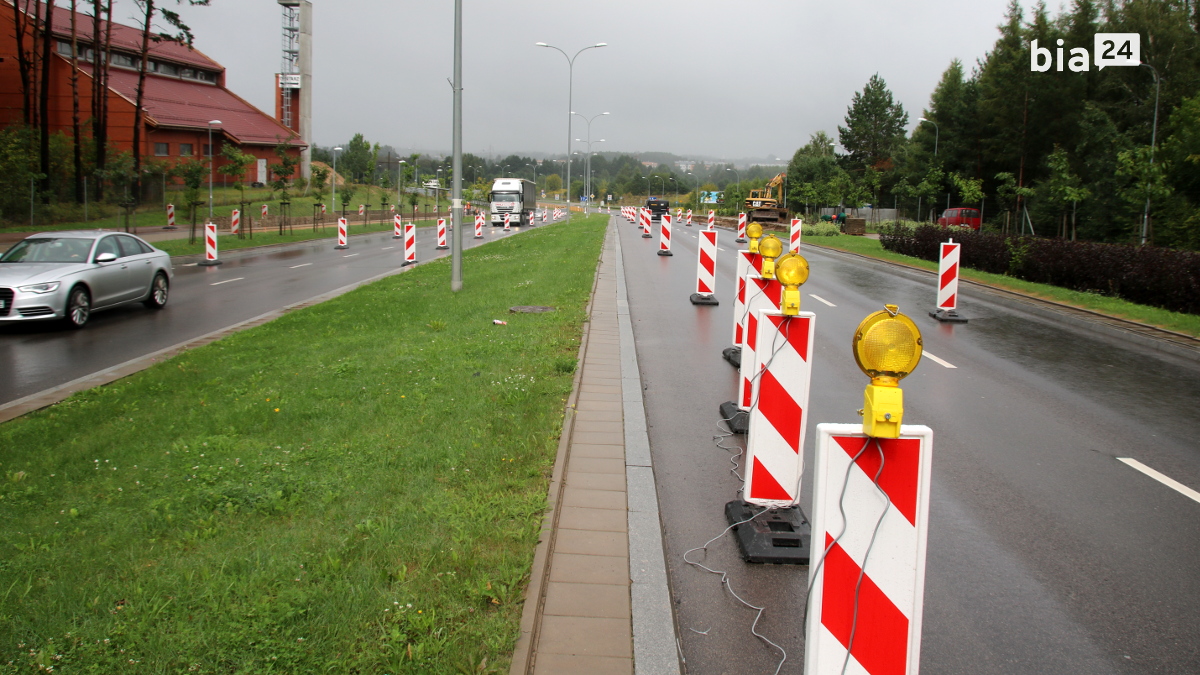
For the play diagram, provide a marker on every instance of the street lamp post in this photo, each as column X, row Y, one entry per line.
column 587, row 183
column 739, row 180
column 335, row 175
column 1153, row 139
column 696, row 194
column 400, row 185
column 211, row 159
column 937, row 131
column 570, row 105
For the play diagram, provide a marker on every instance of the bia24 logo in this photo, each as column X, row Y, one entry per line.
column 1108, row 49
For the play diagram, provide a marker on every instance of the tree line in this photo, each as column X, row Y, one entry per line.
column 1073, row 153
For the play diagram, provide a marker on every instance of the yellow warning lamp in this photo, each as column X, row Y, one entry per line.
column 887, row 347
column 791, row 270
column 771, row 248
column 754, row 231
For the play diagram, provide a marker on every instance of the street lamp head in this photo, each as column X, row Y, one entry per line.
column 922, row 119
column 214, row 121
column 338, row 148
column 541, row 44
column 601, row 44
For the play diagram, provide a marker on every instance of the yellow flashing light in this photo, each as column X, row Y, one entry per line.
column 887, row 347
column 771, row 248
column 792, row 271
column 754, row 231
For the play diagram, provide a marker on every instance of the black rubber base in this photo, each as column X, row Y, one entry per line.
column 698, row 299
column 646, row 235
column 664, row 252
column 479, row 236
column 406, row 263
column 733, row 355
column 740, row 240
column 342, row 248
column 948, row 316
column 780, row 537
column 209, row 263
column 441, row 248
column 171, row 227
column 397, row 236
column 736, row 418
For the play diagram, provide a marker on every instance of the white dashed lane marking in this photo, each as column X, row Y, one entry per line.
column 301, row 265
column 350, row 256
column 820, row 299
column 1162, row 478
column 942, row 362
column 227, row 281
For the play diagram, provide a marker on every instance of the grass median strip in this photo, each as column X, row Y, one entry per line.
column 1188, row 324
column 354, row 487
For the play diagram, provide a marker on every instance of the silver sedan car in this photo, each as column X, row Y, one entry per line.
column 68, row 275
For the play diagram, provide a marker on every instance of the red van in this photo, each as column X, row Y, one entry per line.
column 960, row 218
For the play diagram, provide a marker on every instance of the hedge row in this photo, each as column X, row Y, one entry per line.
column 1147, row 275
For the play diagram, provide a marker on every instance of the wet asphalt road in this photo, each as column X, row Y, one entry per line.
column 41, row 355
column 1046, row 554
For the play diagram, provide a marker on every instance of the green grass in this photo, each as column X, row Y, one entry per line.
column 354, row 487
column 228, row 242
column 1188, row 324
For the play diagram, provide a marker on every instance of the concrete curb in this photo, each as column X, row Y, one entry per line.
column 655, row 635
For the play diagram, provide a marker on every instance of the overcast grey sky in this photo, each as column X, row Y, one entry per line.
column 749, row 78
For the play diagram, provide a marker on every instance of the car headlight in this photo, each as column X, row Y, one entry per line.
column 48, row 287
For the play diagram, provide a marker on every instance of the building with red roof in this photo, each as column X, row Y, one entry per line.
column 184, row 91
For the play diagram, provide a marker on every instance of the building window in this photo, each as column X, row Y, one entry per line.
column 207, row 150
column 185, row 149
column 124, row 60
column 205, row 76
column 162, row 149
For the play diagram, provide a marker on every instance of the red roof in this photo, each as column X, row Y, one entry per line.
column 171, row 102
column 125, row 38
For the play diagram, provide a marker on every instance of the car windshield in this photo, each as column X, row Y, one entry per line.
column 49, row 250
column 506, row 197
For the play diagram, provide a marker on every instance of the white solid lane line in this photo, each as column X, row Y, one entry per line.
column 350, row 256
column 301, row 265
column 820, row 299
column 387, row 248
column 935, row 359
column 1165, row 480
column 227, row 281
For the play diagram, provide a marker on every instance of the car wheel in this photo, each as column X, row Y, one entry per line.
column 159, row 289
column 79, row 307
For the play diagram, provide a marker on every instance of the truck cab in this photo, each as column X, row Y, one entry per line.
column 514, row 197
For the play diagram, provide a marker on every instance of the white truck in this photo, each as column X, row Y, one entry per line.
column 514, row 196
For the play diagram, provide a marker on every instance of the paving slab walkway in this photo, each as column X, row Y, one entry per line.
column 598, row 601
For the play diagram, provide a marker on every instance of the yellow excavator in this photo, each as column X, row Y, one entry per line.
column 763, row 205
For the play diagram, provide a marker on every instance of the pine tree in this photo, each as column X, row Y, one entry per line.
column 874, row 127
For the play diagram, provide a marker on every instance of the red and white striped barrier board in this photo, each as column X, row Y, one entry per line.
column 689, row 217
column 322, row 209
column 397, row 227
column 706, row 264
column 760, row 294
column 779, row 409
column 664, row 235
column 679, row 214
column 479, row 226
column 410, row 243
column 235, row 222
column 868, row 587
column 210, row 245
column 646, row 233
column 544, row 215
column 361, row 209
column 947, row 295
column 507, row 219
column 741, row 238
column 342, row 241
column 392, row 208
column 264, row 210
column 794, row 242
column 712, row 219
column 746, row 262
column 170, row 216
column 441, row 232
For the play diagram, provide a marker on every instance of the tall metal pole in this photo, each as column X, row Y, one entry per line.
column 212, row 157
column 456, row 168
column 1153, row 138
column 570, row 105
column 334, row 198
